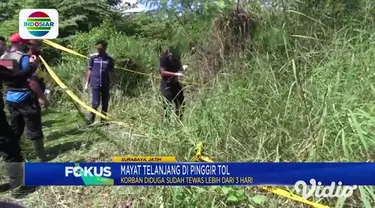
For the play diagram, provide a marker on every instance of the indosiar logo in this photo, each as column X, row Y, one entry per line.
column 38, row 23
column 91, row 175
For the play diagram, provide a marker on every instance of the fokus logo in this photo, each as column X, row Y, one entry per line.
column 78, row 171
column 90, row 175
column 39, row 24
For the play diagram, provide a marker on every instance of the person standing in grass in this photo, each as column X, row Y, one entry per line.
column 3, row 45
column 98, row 75
column 3, row 49
column 170, row 87
column 10, row 149
column 36, row 50
column 21, row 97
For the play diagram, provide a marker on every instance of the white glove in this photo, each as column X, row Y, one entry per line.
column 46, row 92
column 185, row 67
column 179, row 74
column 86, row 85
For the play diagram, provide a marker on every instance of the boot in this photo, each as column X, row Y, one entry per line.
column 15, row 172
column 4, row 187
column 39, row 150
column 103, row 121
column 91, row 119
column 22, row 191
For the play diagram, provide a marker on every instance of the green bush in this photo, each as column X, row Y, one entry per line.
column 128, row 53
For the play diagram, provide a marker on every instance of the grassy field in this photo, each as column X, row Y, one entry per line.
column 302, row 91
column 263, row 112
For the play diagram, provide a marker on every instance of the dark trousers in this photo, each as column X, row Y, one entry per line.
column 10, row 151
column 100, row 94
column 174, row 94
column 26, row 114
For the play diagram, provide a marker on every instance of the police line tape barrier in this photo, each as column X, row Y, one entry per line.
column 58, row 46
column 75, row 97
column 199, row 157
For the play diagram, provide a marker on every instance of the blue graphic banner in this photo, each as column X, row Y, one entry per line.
column 197, row 174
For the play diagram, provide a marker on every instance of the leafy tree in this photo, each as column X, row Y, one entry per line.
column 8, row 8
column 74, row 16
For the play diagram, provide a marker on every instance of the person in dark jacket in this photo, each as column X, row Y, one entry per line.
column 21, row 97
column 10, row 149
column 36, row 50
column 98, row 75
column 3, row 49
column 3, row 45
column 170, row 87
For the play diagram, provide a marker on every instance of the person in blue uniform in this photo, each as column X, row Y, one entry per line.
column 98, row 75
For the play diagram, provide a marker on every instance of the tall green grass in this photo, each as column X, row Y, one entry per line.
column 291, row 97
column 272, row 109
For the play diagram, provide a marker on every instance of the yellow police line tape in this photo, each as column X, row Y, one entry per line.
column 75, row 97
column 58, row 46
column 281, row 192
